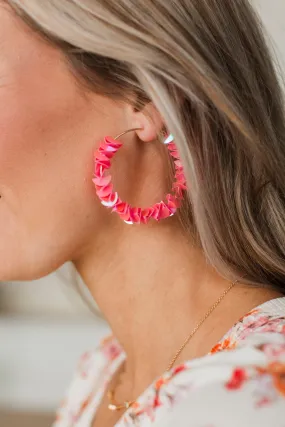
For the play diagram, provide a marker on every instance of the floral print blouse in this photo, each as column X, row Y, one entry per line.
column 241, row 382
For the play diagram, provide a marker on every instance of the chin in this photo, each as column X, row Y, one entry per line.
column 25, row 268
column 20, row 273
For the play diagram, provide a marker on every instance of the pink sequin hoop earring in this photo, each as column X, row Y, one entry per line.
column 111, row 199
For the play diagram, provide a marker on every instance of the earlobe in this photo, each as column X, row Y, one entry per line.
column 149, row 121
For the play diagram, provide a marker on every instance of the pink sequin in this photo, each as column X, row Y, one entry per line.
column 111, row 199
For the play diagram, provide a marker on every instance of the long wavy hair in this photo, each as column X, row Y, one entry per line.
column 206, row 66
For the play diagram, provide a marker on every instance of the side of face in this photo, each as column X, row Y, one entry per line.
column 49, row 128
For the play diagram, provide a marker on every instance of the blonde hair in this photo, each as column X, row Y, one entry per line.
column 206, row 67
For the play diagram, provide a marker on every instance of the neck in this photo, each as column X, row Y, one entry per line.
column 153, row 287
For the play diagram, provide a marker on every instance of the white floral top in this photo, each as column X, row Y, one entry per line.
column 241, row 382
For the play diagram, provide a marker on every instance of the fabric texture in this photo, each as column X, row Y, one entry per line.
column 241, row 382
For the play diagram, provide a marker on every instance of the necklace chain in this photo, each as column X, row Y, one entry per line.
column 113, row 406
column 209, row 312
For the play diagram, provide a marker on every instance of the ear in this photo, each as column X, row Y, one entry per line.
column 148, row 120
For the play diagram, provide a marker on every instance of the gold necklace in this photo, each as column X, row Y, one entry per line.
column 114, row 406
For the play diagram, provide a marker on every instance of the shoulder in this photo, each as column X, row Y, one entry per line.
column 92, row 369
column 240, row 383
column 267, row 320
column 242, row 387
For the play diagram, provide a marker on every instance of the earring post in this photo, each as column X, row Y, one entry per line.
column 127, row 131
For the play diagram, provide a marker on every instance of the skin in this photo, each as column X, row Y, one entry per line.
column 150, row 282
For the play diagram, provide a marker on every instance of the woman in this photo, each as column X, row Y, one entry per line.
column 192, row 284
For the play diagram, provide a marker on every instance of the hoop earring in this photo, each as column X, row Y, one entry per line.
column 111, row 199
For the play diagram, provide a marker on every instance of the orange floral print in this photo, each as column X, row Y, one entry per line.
column 227, row 344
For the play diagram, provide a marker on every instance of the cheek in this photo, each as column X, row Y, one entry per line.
column 48, row 128
column 45, row 176
column 34, row 133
